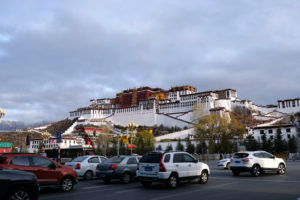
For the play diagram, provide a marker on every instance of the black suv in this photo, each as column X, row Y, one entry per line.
column 15, row 184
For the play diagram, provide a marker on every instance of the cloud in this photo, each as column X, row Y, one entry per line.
column 55, row 57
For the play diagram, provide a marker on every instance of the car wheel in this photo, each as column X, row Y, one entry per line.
column 256, row 171
column 126, row 178
column 236, row 172
column 20, row 194
column 172, row 181
column 281, row 169
column 228, row 166
column 146, row 183
column 66, row 184
column 203, row 177
column 106, row 180
column 88, row 175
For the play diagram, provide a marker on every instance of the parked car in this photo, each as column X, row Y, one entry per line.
column 48, row 172
column 256, row 162
column 170, row 168
column 118, row 167
column 15, row 184
column 85, row 166
column 224, row 163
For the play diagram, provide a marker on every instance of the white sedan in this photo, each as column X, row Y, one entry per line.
column 224, row 163
column 85, row 166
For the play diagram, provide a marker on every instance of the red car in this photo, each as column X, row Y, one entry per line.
column 48, row 172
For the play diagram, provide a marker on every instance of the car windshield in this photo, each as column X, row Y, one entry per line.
column 79, row 159
column 240, row 155
column 115, row 159
column 151, row 158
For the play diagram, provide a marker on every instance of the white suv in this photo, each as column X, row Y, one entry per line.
column 256, row 162
column 171, row 167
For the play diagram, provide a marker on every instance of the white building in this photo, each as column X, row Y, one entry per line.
column 287, row 131
column 289, row 105
column 52, row 144
column 155, row 106
column 145, row 106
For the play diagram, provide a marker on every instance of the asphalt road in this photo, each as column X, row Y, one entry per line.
column 221, row 185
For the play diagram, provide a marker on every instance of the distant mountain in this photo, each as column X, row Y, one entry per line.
column 12, row 125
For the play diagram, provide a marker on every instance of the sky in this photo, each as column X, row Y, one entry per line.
column 57, row 55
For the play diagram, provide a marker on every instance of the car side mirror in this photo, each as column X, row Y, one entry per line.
column 52, row 166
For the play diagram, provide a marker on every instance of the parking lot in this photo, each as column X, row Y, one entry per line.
column 221, row 185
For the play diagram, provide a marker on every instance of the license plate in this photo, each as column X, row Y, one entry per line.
column 102, row 175
column 148, row 169
column 237, row 162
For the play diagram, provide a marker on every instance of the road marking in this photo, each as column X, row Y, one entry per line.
column 91, row 187
column 259, row 180
column 83, row 192
column 191, row 191
column 125, row 191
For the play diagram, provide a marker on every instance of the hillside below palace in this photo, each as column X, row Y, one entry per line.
column 174, row 107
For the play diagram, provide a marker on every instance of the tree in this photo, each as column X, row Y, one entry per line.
column 292, row 144
column 199, row 112
column 169, row 148
column 103, row 142
column 236, row 128
column 179, row 146
column 144, row 141
column 201, row 148
column 190, row 147
column 207, row 129
column 251, row 143
column 225, row 145
column 278, row 143
column 122, row 149
column 270, row 146
column 264, row 142
column 215, row 128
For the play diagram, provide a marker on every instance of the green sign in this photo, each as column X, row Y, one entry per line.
column 5, row 145
column 242, row 148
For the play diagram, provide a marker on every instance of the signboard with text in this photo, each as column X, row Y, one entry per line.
column 5, row 145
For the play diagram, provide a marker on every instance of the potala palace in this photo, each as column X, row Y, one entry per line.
column 174, row 107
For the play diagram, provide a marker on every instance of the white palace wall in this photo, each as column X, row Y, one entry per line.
column 140, row 117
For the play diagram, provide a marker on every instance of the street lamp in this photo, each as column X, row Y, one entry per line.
column 237, row 143
column 131, row 127
column 45, row 135
column 2, row 113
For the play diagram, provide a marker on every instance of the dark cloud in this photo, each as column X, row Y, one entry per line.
column 55, row 57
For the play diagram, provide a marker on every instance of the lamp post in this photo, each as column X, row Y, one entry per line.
column 131, row 127
column 237, row 143
column 45, row 135
column 2, row 113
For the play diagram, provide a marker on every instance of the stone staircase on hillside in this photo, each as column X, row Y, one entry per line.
column 71, row 128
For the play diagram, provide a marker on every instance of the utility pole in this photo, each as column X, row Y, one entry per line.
column 118, row 144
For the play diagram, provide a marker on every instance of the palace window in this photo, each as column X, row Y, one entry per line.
column 288, row 130
column 288, row 136
column 262, row 131
column 270, row 131
column 271, row 137
column 283, row 104
column 294, row 103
